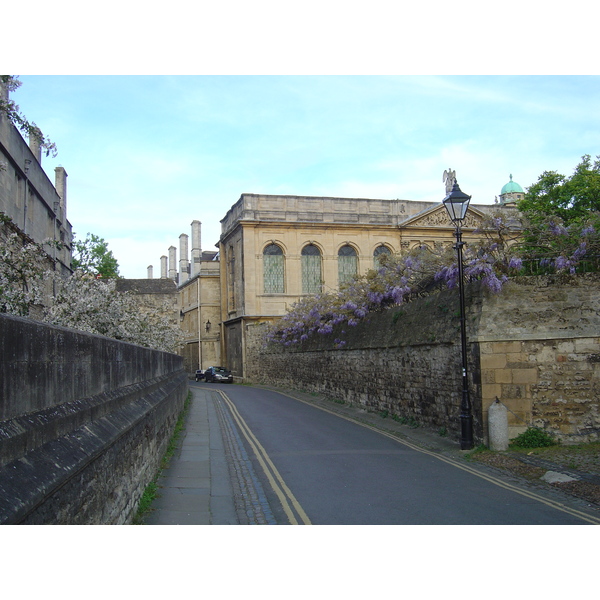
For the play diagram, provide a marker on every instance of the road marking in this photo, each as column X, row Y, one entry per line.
column 287, row 499
column 553, row 504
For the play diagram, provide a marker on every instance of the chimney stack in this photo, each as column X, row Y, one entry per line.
column 184, row 263
column 35, row 145
column 60, row 183
column 196, row 248
column 173, row 263
column 150, row 272
column 163, row 267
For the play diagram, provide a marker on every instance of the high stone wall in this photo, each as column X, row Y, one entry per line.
column 84, row 423
column 535, row 347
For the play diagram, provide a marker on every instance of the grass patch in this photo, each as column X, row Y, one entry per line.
column 151, row 491
column 481, row 449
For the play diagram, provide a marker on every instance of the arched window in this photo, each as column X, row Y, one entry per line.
column 273, row 270
column 379, row 252
column 347, row 264
column 311, row 270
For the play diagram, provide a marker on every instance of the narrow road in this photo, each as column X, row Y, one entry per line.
column 305, row 465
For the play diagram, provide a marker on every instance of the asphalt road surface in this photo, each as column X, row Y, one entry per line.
column 311, row 466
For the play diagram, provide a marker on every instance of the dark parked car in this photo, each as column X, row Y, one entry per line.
column 218, row 375
column 199, row 374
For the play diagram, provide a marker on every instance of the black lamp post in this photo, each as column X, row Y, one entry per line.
column 457, row 203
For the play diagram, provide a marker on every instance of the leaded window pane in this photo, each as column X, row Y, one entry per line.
column 274, row 273
column 379, row 251
column 347, row 264
column 311, row 270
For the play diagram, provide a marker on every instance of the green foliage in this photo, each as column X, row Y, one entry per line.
column 551, row 246
column 410, row 421
column 533, row 438
column 151, row 491
column 413, row 423
column 93, row 257
column 569, row 198
column 481, row 449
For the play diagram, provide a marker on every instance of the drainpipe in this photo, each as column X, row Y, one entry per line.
column 199, row 326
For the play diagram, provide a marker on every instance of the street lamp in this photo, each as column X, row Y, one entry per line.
column 457, row 203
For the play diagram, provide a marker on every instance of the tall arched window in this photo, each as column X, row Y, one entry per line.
column 347, row 264
column 273, row 270
column 379, row 251
column 311, row 270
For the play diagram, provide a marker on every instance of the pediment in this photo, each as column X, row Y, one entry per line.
column 438, row 217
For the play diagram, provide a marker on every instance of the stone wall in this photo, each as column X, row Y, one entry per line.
column 540, row 354
column 28, row 197
column 84, row 422
column 535, row 347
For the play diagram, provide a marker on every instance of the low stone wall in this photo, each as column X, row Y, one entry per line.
column 535, row 347
column 540, row 354
column 84, row 422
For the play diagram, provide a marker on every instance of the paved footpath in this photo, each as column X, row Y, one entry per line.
column 196, row 488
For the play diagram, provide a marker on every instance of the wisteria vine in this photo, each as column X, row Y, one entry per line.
column 501, row 253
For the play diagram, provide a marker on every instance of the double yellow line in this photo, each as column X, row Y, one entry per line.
column 294, row 512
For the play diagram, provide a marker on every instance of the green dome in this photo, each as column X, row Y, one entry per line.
column 511, row 186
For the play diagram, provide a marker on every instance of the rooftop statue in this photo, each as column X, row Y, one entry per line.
column 449, row 178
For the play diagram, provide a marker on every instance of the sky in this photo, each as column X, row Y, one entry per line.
column 148, row 154
column 164, row 117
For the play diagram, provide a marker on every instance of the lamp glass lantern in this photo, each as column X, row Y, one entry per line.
column 457, row 204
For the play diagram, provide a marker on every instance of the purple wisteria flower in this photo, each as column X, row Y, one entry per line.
column 557, row 229
column 515, row 263
column 581, row 250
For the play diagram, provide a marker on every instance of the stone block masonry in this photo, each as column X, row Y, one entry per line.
column 535, row 347
column 85, row 421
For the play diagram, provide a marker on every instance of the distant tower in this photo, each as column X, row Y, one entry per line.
column 511, row 192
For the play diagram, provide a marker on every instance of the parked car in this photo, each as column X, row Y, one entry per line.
column 218, row 375
column 199, row 374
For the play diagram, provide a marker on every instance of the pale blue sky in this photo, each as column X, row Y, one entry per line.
column 146, row 155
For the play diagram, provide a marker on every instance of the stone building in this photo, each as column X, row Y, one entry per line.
column 200, row 302
column 275, row 249
column 153, row 295
column 36, row 208
column 197, row 287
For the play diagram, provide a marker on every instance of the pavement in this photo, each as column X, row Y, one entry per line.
column 196, row 487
